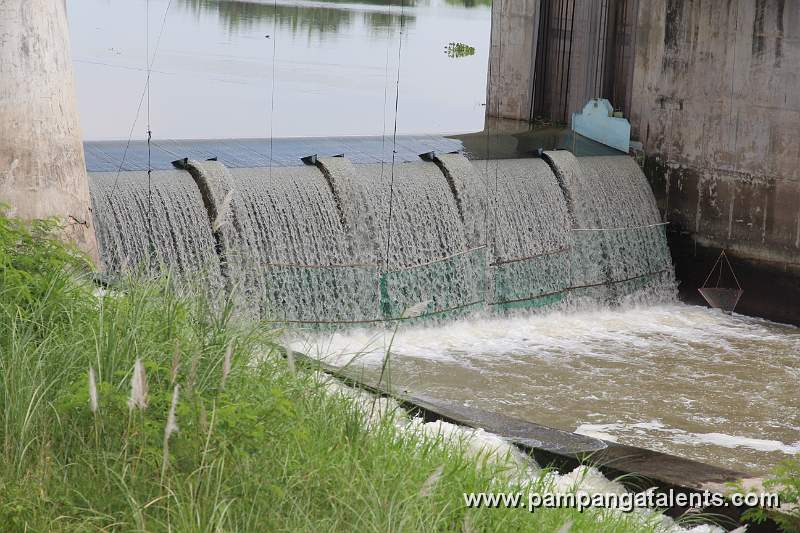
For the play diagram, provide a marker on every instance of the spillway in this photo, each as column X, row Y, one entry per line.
column 335, row 242
column 148, row 228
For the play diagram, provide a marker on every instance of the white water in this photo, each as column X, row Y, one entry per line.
column 489, row 448
column 681, row 379
column 326, row 245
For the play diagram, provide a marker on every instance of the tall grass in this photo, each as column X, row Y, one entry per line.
column 231, row 438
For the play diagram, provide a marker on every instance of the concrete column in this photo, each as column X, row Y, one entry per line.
column 42, row 168
column 512, row 58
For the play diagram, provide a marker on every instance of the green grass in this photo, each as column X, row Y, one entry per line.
column 272, row 451
column 785, row 480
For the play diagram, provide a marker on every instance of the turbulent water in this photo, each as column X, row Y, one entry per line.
column 680, row 379
column 346, row 244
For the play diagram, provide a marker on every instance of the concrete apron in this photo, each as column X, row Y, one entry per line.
column 637, row 468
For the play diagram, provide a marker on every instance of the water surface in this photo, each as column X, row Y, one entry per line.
column 680, row 379
column 225, row 68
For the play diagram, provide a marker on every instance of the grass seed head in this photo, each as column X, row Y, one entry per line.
column 138, row 397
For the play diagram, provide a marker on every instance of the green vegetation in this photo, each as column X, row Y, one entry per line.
column 785, row 480
column 469, row 3
column 327, row 18
column 251, row 443
column 456, row 50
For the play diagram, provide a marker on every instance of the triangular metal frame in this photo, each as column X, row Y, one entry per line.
column 723, row 298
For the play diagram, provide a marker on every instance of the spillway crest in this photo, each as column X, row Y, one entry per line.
column 340, row 243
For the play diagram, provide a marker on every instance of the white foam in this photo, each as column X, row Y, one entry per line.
column 732, row 441
column 602, row 333
column 687, row 368
column 598, row 431
column 612, row 432
column 489, row 448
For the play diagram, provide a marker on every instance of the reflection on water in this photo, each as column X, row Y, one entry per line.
column 681, row 379
column 470, row 3
column 315, row 20
column 334, row 71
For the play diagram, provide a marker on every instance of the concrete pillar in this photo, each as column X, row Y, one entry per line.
column 512, row 58
column 42, row 168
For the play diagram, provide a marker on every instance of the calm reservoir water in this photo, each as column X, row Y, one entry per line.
column 334, row 71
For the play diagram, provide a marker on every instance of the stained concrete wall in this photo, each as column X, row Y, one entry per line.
column 621, row 55
column 509, row 91
column 716, row 103
column 42, row 169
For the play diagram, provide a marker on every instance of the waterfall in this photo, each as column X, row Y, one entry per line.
column 163, row 225
column 618, row 245
column 311, row 269
column 529, row 234
column 343, row 243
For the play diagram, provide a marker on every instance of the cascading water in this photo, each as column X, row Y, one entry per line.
column 354, row 244
column 429, row 255
column 311, row 267
column 170, row 228
column 529, row 234
column 618, row 244
column 635, row 241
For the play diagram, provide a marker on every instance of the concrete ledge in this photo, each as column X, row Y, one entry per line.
column 564, row 450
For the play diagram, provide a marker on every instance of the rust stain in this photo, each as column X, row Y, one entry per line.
column 779, row 37
column 758, row 28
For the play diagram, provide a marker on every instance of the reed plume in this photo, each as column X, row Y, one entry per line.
column 170, row 428
column 222, row 213
column 430, row 484
column 416, row 310
column 566, row 528
column 92, row 391
column 176, row 362
column 138, row 397
column 226, row 364
column 290, row 361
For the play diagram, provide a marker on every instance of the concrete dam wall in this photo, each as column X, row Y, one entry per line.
column 716, row 104
column 317, row 244
column 712, row 91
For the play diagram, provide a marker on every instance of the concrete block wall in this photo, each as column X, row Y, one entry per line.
column 716, row 104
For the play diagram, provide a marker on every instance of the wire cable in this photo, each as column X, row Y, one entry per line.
column 496, row 165
column 272, row 91
column 487, row 129
column 394, row 137
column 141, row 99
column 149, row 134
column 385, row 97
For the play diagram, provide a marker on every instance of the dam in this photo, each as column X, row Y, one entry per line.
column 533, row 274
column 711, row 92
column 338, row 243
column 539, row 287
